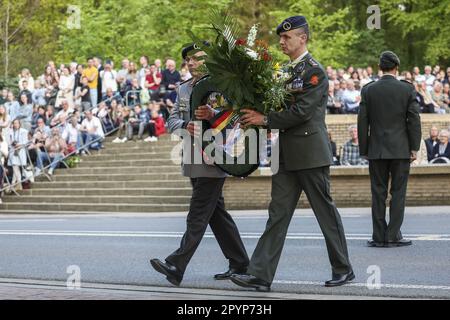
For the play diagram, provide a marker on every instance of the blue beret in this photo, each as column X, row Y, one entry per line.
column 192, row 47
column 292, row 23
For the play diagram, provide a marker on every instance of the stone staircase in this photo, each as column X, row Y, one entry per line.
column 128, row 177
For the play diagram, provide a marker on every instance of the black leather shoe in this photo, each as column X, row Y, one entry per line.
column 171, row 272
column 340, row 279
column 249, row 281
column 227, row 275
column 399, row 243
column 374, row 244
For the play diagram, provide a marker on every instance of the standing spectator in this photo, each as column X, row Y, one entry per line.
column 84, row 95
column 17, row 139
column 25, row 112
column 334, row 104
column 92, row 132
column 122, row 76
column 26, row 91
column 170, row 79
column 442, row 149
column 447, row 76
column 91, row 73
column 109, row 79
column 144, row 61
column 152, row 82
column 446, row 92
column 77, row 78
column 26, row 76
column 351, row 98
column 66, row 84
column 133, row 94
column 38, row 96
column 50, row 80
column 158, row 65
column 4, row 96
column 5, row 121
column 350, row 155
column 132, row 74
column 98, row 65
column 12, row 106
column 429, row 78
column 56, row 147
column 3, row 157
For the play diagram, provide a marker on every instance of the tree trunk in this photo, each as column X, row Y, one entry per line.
column 6, row 40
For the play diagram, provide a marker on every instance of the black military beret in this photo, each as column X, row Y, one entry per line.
column 389, row 60
column 292, row 23
column 187, row 48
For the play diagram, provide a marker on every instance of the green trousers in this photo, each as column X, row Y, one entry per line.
column 287, row 187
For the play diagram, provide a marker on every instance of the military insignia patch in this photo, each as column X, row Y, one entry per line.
column 314, row 80
column 300, row 67
column 297, row 84
column 313, row 62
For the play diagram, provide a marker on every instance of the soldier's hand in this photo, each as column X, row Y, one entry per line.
column 204, row 113
column 252, row 117
column 194, row 129
column 413, row 156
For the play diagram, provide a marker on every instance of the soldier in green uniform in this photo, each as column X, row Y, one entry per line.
column 389, row 136
column 305, row 158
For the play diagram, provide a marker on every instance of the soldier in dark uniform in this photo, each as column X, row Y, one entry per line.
column 389, row 136
column 207, row 205
column 305, row 158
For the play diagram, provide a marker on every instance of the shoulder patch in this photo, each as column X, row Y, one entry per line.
column 313, row 62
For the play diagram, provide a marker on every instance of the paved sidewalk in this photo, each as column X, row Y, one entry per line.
column 22, row 289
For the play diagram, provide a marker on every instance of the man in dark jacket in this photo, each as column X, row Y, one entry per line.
column 389, row 136
column 305, row 159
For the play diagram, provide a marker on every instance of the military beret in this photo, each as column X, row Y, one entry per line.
column 292, row 23
column 389, row 60
column 188, row 48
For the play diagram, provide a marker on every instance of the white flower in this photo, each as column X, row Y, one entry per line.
column 252, row 54
column 252, row 35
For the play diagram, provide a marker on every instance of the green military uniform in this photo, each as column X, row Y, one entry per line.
column 388, row 129
column 305, row 157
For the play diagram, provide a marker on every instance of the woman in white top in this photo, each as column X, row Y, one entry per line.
column 66, row 85
column 17, row 138
column 3, row 156
column 109, row 79
column 26, row 75
column 5, row 121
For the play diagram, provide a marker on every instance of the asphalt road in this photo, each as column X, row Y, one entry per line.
column 115, row 249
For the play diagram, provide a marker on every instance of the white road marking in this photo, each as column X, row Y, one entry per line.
column 165, row 234
column 386, row 286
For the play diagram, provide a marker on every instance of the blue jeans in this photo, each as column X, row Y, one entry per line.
column 43, row 156
column 94, row 96
column 89, row 138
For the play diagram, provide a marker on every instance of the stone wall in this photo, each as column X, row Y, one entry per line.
column 350, row 187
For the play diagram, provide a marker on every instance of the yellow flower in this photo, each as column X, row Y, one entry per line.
column 276, row 67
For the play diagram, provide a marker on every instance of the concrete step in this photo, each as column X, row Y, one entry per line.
column 122, row 170
column 110, row 149
column 96, row 199
column 130, row 156
column 84, row 208
column 106, row 192
column 164, row 137
column 112, row 176
column 132, row 185
column 138, row 162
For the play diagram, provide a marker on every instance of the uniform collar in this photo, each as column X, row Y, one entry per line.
column 299, row 59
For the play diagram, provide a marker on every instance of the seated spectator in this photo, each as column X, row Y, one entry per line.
column 38, row 112
column 438, row 96
column 121, row 119
column 3, row 157
column 446, row 92
column 334, row 104
column 4, row 96
column 110, row 96
column 72, row 135
column 156, row 126
column 102, row 112
column 66, row 110
column 12, row 106
column 138, row 122
column 432, row 141
column 25, row 112
column 351, row 98
column 17, row 139
column 426, row 102
column 442, row 149
column 350, row 156
column 49, row 115
column 26, row 92
column 92, row 132
column 41, row 133
column 429, row 78
column 56, row 147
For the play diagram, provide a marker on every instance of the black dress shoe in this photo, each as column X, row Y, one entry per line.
column 227, row 275
column 171, row 272
column 399, row 243
column 340, row 279
column 375, row 244
column 249, row 281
